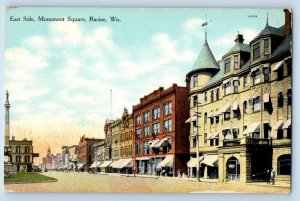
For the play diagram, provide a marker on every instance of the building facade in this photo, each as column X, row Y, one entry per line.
column 86, row 152
column 160, row 134
column 72, row 156
column 240, row 108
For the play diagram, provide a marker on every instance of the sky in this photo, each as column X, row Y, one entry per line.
column 59, row 74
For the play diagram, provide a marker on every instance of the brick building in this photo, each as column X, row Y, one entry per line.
column 86, row 154
column 240, row 108
column 160, row 134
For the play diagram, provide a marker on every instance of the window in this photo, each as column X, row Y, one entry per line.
column 280, row 99
column 235, row 133
column 266, row 47
column 168, row 125
column 256, row 50
column 168, row 108
column 146, row 116
column 156, row 128
column 235, row 86
column 227, row 65
column 211, row 96
column 195, row 126
column 256, row 77
column 245, row 107
column 289, row 97
column 256, row 104
column 236, row 114
column 146, row 148
column 284, row 164
column 138, row 133
column 236, row 62
column 205, row 138
column 18, row 158
column 194, row 144
column 227, row 88
column 217, row 94
column 227, row 134
column 138, row 120
column 195, row 79
column 138, row 148
column 205, row 96
column 245, row 80
column 156, row 113
column 266, row 72
column 205, row 117
column 18, row 149
column 217, row 119
column 211, row 120
column 280, row 73
column 226, row 115
column 195, row 101
column 146, row 131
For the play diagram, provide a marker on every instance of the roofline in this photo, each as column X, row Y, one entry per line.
column 202, row 70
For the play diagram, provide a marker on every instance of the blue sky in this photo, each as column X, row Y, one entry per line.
column 59, row 74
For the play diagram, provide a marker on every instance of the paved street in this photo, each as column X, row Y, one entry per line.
column 84, row 182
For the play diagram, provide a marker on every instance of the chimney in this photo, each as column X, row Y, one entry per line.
column 239, row 38
column 288, row 22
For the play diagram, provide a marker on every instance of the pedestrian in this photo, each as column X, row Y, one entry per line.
column 273, row 174
column 178, row 173
column 268, row 176
column 163, row 172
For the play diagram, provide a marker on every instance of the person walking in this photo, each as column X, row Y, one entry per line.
column 268, row 176
column 273, row 176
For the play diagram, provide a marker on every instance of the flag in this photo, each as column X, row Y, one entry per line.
column 204, row 24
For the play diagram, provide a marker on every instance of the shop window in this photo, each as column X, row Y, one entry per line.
column 284, row 164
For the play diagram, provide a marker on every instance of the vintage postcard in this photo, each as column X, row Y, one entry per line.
column 176, row 100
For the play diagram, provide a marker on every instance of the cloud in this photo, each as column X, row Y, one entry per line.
column 193, row 24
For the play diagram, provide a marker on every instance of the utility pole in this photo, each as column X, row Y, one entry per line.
column 197, row 142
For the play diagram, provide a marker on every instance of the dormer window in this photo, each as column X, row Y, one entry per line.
column 266, row 47
column 227, row 65
column 236, row 62
column 256, row 50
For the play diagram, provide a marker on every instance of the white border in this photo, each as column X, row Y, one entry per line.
column 151, row 196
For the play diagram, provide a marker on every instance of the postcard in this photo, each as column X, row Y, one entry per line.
column 162, row 100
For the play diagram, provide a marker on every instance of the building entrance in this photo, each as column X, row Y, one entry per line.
column 233, row 169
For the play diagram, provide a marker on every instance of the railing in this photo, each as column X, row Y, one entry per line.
column 246, row 140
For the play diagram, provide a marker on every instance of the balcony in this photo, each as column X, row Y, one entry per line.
column 246, row 141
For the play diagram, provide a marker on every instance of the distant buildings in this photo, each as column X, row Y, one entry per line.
column 161, row 136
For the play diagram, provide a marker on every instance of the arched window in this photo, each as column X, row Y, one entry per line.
column 233, row 168
column 205, row 117
column 280, row 99
column 284, row 165
column 227, row 134
column 289, row 96
column 245, row 106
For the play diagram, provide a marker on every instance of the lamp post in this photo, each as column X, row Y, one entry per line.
column 196, row 134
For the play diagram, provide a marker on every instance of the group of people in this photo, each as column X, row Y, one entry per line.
column 270, row 176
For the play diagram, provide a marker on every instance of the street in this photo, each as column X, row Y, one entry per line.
column 84, row 182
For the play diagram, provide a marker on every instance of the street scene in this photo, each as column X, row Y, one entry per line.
column 133, row 104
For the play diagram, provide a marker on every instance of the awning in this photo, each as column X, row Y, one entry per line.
column 287, row 58
column 153, row 143
column 287, row 124
column 193, row 118
column 254, row 69
column 188, row 120
column 142, row 158
column 265, row 65
column 160, row 143
column 266, row 97
column 235, row 78
column 217, row 113
column 278, row 125
column 226, row 108
column 95, row 164
column 235, row 106
column 210, row 160
column 210, row 115
column 277, row 66
column 105, row 164
column 215, row 136
column 128, row 162
column 193, row 162
column 226, row 81
column 253, row 128
column 167, row 162
column 114, row 164
column 80, row 166
column 210, row 135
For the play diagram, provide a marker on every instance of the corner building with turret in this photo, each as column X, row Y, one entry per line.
column 241, row 108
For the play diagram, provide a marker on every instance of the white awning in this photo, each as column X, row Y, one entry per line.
column 209, row 136
column 127, row 162
column 215, row 136
column 160, row 143
column 80, row 165
column 154, row 142
column 217, row 113
column 235, row 78
column 193, row 161
column 287, row 58
column 235, row 106
column 210, row 160
column 95, row 163
column 287, row 124
column 105, row 164
column 265, row 65
column 188, row 120
column 253, row 128
column 254, row 69
column 226, row 81
column 193, row 118
column 210, row 115
column 114, row 164
column 266, row 97
column 226, row 108
column 278, row 125
column 277, row 65
column 167, row 162
column 144, row 158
